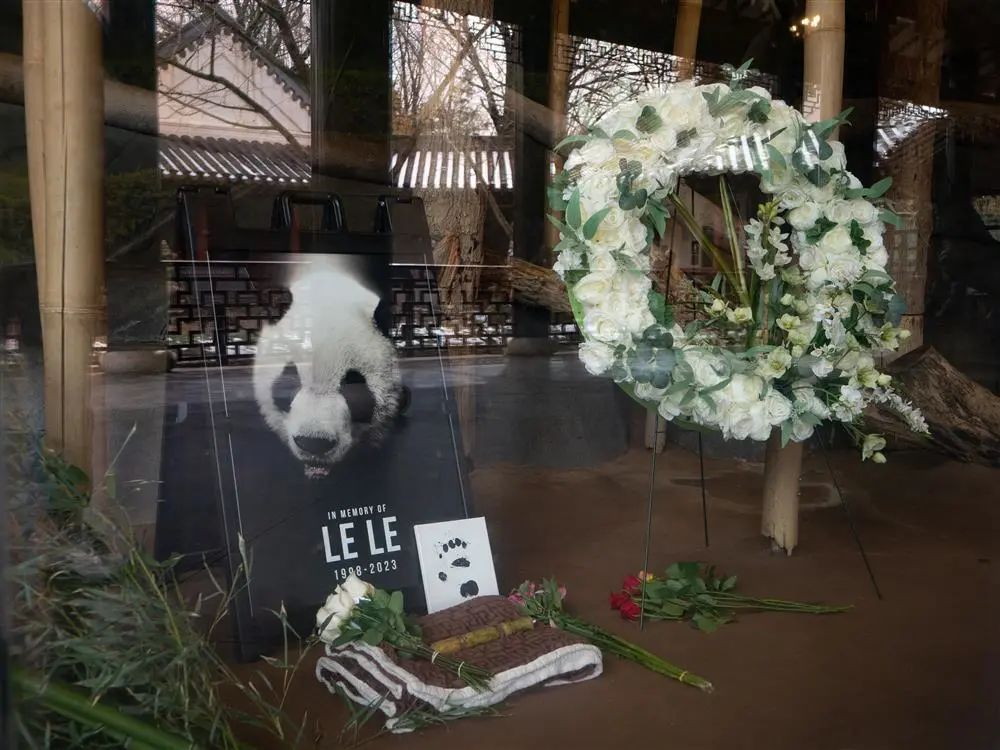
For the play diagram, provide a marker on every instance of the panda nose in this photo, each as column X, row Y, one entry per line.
column 317, row 446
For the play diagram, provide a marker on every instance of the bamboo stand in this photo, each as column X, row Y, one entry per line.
column 822, row 99
column 64, row 103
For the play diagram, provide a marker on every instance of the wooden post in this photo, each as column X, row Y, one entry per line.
column 823, row 79
column 686, row 36
column 67, row 177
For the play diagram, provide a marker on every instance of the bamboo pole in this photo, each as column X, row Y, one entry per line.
column 560, row 62
column 686, row 28
column 70, row 246
column 823, row 81
column 33, row 15
column 686, row 36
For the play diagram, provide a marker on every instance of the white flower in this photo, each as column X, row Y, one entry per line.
column 789, row 322
column 820, row 367
column 594, row 287
column 775, row 364
column 706, row 366
column 862, row 211
column 871, row 445
column 718, row 306
column 596, row 357
column 778, row 407
column 357, row 588
column 649, row 392
column 839, row 212
column 569, row 259
column 787, row 300
column 804, row 216
column 330, row 618
column 739, row 316
column 600, row 326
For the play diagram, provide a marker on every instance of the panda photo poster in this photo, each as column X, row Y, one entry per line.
column 456, row 562
column 327, row 449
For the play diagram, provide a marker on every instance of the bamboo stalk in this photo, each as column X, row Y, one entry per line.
column 33, row 17
column 686, row 36
column 73, row 254
column 823, row 82
column 482, row 635
column 74, row 705
column 559, row 70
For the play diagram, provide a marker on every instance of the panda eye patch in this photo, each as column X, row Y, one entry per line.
column 285, row 386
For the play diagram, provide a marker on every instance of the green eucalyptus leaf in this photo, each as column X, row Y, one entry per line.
column 573, row 210
column 593, row 223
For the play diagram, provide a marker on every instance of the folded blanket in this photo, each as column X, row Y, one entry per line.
column 378, row 676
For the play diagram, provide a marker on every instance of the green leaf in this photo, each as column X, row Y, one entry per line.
column 592, row 224
column 729, row 584
column 684, row 137
column 396, row 602
column 555, row 198
column 891, row 217
column 820, row 228
column 825, row 127
column 880, row 188
column 786, row 433
column 776, row 156
column 896, row 310
column 624, row 135
column 858, row 236
column 648, row 120
column 570, row 140
column 759, row 111
column 705, row 623
column 659, row 216
column 373, row 636
column 573, row 210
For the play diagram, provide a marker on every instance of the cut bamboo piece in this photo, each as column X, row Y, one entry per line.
column 482, row 635
column 69, row 249
column 780, row 517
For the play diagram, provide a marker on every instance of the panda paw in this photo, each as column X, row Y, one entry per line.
column 452, row 559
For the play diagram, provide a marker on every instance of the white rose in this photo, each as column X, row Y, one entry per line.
column 743, row 388
column 821, row 367
column 648, row 392
column 329, row 625
column 837, row 241
column 862, row 211
column 792, row 197
column 801, row 431
column 787, row 120
column 663, row 139
column 600, row 326
column 704, row 365
column 594, row 287
column 839, row 212
column 777, row 407
column 871, row 445
column 569, row 259
column 597, row 151
column 804, row 217
column 876, row 259
column 602, row 260
column 596, row 357
column 357, row 588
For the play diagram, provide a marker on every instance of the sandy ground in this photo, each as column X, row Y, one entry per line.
column 918, row 669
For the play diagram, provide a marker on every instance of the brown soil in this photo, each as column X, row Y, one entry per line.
column 918, row 669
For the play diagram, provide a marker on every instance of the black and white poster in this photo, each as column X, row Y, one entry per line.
column 325, row 450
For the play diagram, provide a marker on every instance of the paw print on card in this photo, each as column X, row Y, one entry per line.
column 456, row 563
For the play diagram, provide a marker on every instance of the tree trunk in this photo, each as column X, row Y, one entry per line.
column 964, row 417
column 537, row 285
column 780, row 516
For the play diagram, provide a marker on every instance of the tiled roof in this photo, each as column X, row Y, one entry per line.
column 231, row 160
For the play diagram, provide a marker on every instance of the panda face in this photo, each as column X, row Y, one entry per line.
column 318, row 426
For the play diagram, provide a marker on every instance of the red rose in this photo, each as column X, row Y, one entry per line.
column 629, row 610
column 618, row 599
column 632, row 584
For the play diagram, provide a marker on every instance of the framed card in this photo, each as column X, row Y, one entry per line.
column 456, row 562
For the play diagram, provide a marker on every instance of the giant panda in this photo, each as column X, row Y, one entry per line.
column 329, row 337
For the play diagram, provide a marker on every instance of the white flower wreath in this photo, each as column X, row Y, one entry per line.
column 785, row 344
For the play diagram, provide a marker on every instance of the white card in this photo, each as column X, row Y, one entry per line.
column 456, row 563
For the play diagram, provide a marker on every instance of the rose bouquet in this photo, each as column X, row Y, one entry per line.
column 357, row 611
column 691, row 591
column 544, row 603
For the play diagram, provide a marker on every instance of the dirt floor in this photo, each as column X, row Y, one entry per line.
column 918, row 669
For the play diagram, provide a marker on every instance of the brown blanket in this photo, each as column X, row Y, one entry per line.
column 378, row 676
